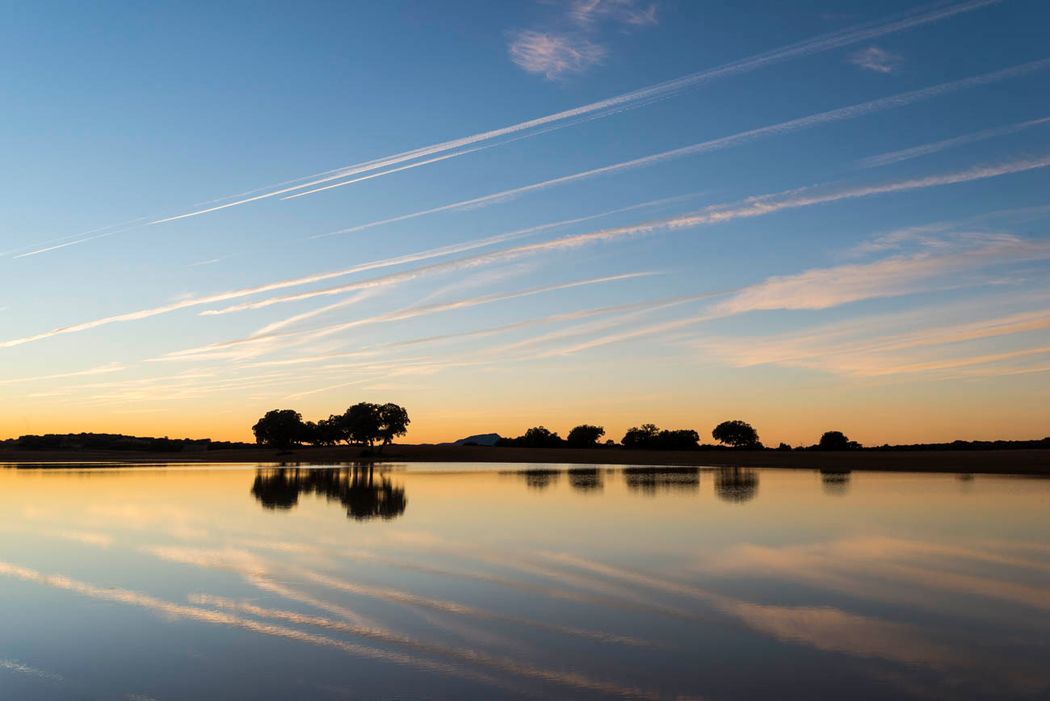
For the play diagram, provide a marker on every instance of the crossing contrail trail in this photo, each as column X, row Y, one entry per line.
column 751, row 207
column 836, row 115
column 635, row 98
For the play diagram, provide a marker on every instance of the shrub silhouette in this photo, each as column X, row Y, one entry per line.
column 836, row 440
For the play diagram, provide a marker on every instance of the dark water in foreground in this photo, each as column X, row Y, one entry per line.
column 464, row 582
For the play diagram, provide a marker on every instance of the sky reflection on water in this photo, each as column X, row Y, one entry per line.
column 449, row 582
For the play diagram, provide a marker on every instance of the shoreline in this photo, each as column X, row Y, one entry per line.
column 1004, row 462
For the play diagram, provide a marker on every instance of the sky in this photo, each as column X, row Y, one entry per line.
column 810, row 216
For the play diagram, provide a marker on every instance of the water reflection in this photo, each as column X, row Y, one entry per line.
column 539, row 478
column 650, row 480
column 586, row 479
column 836, row 482
column 563, row 594
column 736, row 484
column 365, row 494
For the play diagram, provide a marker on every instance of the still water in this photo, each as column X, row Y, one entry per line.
column 493, row 581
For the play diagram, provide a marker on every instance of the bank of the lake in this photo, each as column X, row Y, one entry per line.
column 1025, row 462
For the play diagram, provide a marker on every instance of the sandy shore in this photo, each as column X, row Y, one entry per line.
column 1025, row 462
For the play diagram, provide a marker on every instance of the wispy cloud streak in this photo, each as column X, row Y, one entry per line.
column 264, row 341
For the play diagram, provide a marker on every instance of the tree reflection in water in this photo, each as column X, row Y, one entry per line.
column 586, row 479
column 836, row 482
column 650, row 480
column 539, row 479
column 364, row 494
column 736, row 484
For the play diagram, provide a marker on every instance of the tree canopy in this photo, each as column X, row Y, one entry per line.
column 736, row 433
column 280, row 428
column 585, row 436
column 651, row 437
column 836, row 440
column 363, row 423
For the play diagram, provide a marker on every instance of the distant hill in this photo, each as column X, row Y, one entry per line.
column 485, row 439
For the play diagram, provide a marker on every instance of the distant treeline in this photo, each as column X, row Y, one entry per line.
column 114, row 441
column 733, row 434
column 1043, row 443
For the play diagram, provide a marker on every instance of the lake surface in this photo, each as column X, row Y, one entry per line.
column 499, row 581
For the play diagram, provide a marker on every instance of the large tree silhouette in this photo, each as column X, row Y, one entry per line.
column 736, row 433
column 280, row 428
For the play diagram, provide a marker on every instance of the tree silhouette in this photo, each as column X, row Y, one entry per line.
column 650, row 437
column 366, row 423
column 585, row 436
column 393, row 422
column 836, row 440
column 280, row 428
column 643, row 436
column 361, row 422
column 736, row 433
column 678, row 439
column 535, row 437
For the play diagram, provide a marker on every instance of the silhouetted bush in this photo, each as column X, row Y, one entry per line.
column 836, row 440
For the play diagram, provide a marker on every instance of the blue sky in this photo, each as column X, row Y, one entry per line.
column 801, row 214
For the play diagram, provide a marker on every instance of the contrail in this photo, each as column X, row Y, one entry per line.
column 533, row 127
column 743, row 137
column 937, row 146
column 752, row 207
column 360, row 268
column 627, row 100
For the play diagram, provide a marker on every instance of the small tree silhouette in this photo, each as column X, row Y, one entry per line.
column 836, row 440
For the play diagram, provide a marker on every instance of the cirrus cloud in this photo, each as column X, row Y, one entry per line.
column 876, row 60
column 553, row 55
